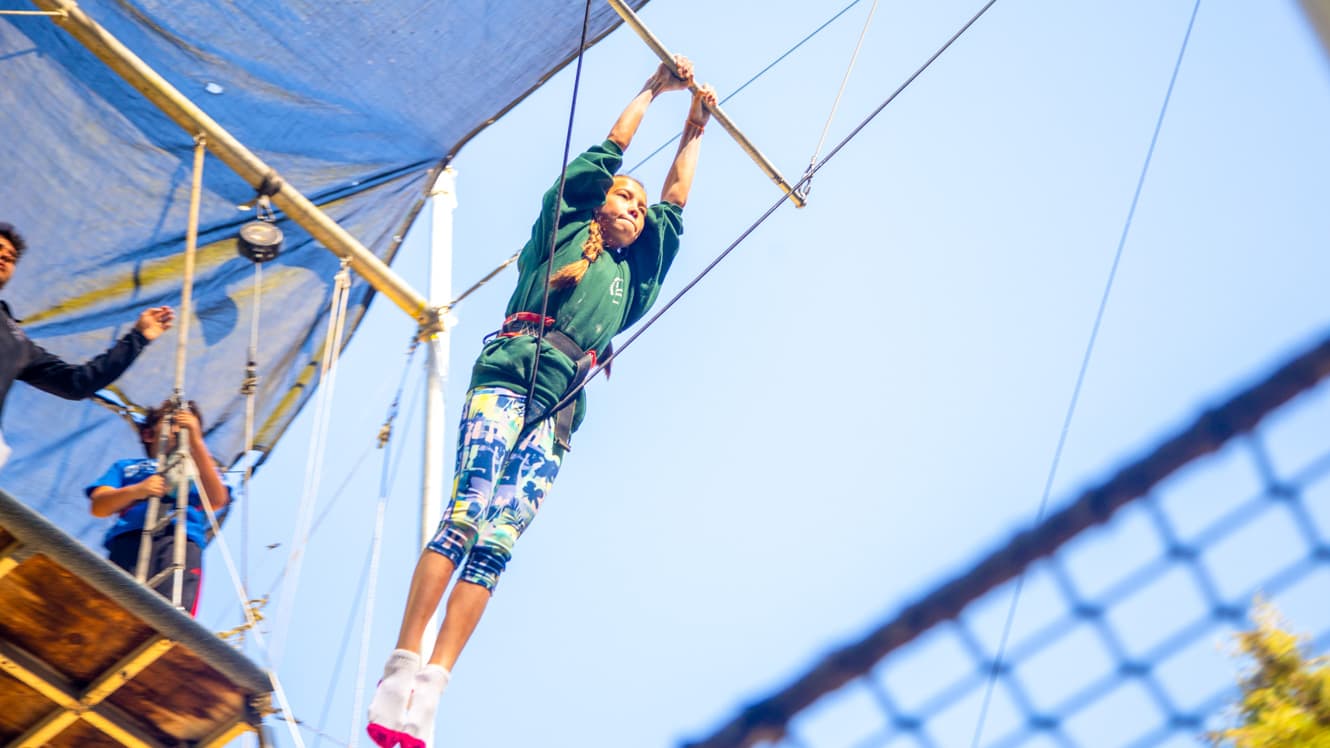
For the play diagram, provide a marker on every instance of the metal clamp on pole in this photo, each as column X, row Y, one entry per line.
column 630, row 18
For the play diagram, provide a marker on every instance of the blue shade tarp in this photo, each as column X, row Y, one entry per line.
column 356, row 104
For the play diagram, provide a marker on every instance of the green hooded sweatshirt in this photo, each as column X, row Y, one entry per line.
column 617, row 290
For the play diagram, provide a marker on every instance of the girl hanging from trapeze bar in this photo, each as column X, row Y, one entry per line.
column 611, row 252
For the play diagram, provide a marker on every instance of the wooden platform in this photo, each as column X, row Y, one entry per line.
column 88, row 657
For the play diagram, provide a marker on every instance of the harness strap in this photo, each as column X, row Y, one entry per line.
column 528, row 323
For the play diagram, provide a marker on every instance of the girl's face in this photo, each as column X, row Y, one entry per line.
column 624, row 213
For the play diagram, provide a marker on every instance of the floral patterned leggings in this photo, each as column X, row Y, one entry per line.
column 498, row 485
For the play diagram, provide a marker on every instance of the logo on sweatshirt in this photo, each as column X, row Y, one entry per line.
column 616, row 289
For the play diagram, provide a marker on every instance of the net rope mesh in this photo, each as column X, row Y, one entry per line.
column 1132, row 594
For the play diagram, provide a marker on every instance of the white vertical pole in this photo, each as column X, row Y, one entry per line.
column 443, row 201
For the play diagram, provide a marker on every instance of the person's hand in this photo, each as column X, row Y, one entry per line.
column 153, row 485
column 155, row 321
column 698, row 113
column 664, row 80
column 184, row 419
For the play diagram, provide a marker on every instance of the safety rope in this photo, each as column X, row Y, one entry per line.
column 1080, row 379
column 318, row 447
column 251, row 620
column 249, row 387
column 488, row 277
column 191, row 249
column 557, row 209
column 310, row 728
column 350, row 474
column 150, row 522
column 826, row 128
column 335, row 678
column 376, row 545
column 618, row 350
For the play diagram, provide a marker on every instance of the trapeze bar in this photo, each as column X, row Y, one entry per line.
column 68, row 15
column 630, row 18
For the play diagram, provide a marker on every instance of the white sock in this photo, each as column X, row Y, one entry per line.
column 389, row 705
column 429, row 684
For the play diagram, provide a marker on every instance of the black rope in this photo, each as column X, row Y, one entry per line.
column 1080, row 380
column 572, row 393
column 554, row 220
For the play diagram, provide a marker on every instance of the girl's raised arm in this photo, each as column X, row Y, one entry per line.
column 680, row 179
column 660, row 81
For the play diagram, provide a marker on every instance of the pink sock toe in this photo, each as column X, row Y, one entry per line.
column 388, row 738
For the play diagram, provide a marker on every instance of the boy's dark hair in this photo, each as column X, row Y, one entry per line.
column 8, row 231
column 148, row 429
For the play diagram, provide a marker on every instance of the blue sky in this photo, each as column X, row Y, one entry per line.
column 867, row 394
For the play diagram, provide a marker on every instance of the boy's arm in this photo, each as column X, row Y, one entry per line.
column 107, row 501
column 660, row 81
column 209, row 475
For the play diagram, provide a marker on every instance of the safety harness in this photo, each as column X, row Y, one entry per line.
column 529, row 323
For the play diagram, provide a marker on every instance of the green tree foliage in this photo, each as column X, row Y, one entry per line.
column 1286, row 694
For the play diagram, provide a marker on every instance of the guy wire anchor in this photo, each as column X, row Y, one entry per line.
column 768, row 168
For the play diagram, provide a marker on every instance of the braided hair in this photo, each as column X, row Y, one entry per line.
column 571, row 274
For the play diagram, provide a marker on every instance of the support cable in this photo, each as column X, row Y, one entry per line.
column 573, row 392
column 554, row 219
column 491, row 275
column 191, row 250
column 1080, row 380
column 150, row 522
column 251, row 620
column 754, row 77
column 386, row 479
column 488, row 277
column 341, row 489
column 826, row 128
column 335, row 679
column 249, row 388
column 318, row 447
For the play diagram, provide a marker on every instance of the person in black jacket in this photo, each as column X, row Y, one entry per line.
column 23, row 360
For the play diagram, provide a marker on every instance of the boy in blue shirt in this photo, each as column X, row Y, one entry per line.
column 124, row 490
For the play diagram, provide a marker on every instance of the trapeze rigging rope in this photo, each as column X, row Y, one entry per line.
column 191, row 246
column 557, row 209
column 490, row 275
column 368, row 581
column 826, row 128
column 318, row 447
column 186, row 304
column 573, row 392
column 335, row 678
column 755, row 77
column 341, row 489
column 1080, row 376
column 249, row 388
column 251, row 622
column 384, row 437
column 376, row 548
